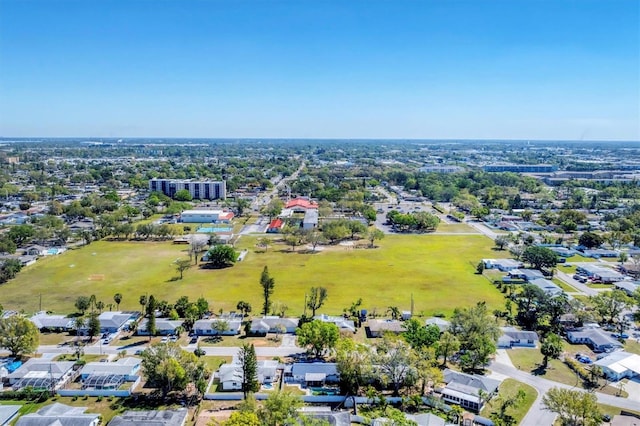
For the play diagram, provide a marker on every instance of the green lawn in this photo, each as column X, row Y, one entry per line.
column 576, row 258
column 437, row 269
column 614, row 411
column 455, row 228
column 510, row 387
column 566, row 287
column 236, row 341
column 607, row 286
column 632, row 346
column 529, row 360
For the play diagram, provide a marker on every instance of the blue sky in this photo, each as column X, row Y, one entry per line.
column 477, row 69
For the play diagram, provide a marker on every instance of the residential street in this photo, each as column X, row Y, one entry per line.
column 537, row 415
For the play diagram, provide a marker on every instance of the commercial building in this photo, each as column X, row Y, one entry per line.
column 520, row 168
column 205, row 216
column 199, row 190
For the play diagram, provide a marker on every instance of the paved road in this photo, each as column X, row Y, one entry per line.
column 483, row 229
column 583, row 288
column 538, row 415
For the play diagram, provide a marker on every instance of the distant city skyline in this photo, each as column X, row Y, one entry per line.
column 369, row 69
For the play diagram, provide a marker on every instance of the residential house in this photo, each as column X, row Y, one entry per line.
column 312, row 373
column 442, row 324
column 300, row 205
column 513, row 337
column 205, row 327
column 549, row 287
column 597, row 253
column 44, row 321
column 310, row 220
column 25, row 260
column 620, row 365
column 154, row 418
column 230, row 375
column 41, row 373
column 35, row 250
column 164, row 327
column 82, row 225
column 562, row 251
column 272, row 324
column 470, row 391
column 60, row 414
column 341, row 322
column 113, row 322
column 378, row 327
column 628, row 287
column 127, row 367
column 275, row 226
column 526, row 274
column 597, row 339
column 504, row 265
column 606, row 275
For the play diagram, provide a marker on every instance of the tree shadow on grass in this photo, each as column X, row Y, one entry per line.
column 210, row 265
column 540, row 370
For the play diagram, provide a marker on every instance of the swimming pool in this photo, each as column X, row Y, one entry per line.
column 53, row 251
column 213, row 229
column 324, row 391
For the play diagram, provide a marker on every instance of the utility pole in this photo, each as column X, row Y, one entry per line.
column 305, row 304
column 411, row 304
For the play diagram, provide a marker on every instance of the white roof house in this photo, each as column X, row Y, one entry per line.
column 128, row 366
column 619, row 365
column 38, row 368
column 270, row 324
column 204, row 327
column 549, row 287
column 594, row 337
column 504, row 265
column 628, row 286
column 112, row 322
column 464, row 389
column 513, row 337
column 230, row 375
column 341, row 322
column 442, row 324
column 57, row 414
column 305, row 372
column 164, row 326
column 44, row 321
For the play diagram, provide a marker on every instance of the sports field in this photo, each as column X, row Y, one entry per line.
column 437, row 269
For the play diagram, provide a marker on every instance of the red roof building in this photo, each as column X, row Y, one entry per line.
column 275, row 225
column 300, row 204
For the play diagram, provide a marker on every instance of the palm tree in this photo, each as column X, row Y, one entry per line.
column 394, row 311
column 143, row 302
column 117, row 298
column 78, row 324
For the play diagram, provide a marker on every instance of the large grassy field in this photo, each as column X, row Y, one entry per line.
column 437, row 269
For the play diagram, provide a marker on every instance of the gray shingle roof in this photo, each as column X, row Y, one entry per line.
column 150, row 418
column 59, row 414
